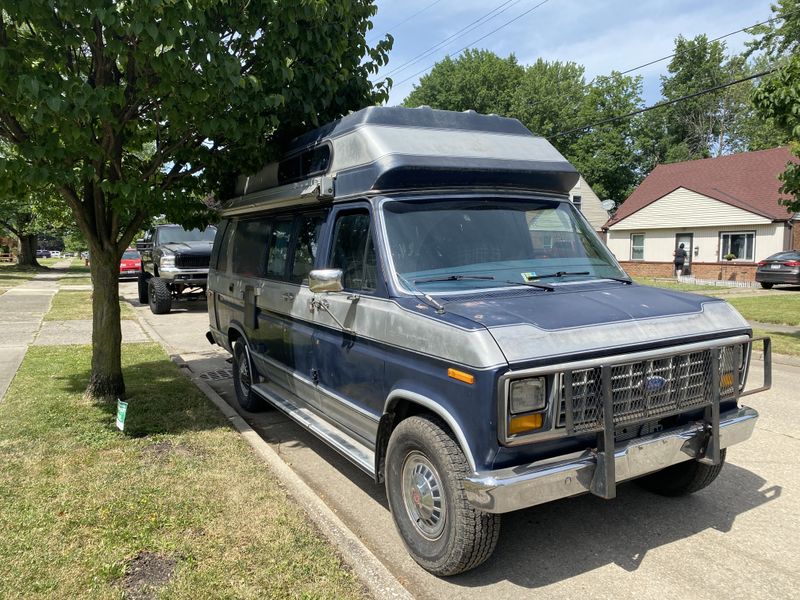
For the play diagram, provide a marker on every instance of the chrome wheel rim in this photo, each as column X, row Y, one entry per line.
column 423, row 496
column 244, row 372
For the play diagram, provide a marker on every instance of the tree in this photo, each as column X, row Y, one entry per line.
column 781, row 37
column 477, row 80
column 548, row 100
column 606, row 155
column 130, row 109
column 778, row 99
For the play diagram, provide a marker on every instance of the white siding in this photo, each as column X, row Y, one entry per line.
column 590, row 204
column 660, row 243
column 682, row 208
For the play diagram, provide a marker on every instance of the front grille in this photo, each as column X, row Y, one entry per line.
column 192, row 261
column 647, row 389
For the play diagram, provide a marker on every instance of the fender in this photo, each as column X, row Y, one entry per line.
column 432, row 405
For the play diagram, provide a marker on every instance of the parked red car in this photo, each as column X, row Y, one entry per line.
column 131, row 264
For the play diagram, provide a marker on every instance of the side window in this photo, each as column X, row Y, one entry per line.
column 250, row 247
column 279, row 238
column 353, row 251
column 305, row 250
column 219, row 239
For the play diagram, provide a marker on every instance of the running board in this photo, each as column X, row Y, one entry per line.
column 351, row 449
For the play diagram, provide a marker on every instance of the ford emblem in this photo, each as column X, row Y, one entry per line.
column 654, row 383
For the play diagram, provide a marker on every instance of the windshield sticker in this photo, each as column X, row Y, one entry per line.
column 529, row 276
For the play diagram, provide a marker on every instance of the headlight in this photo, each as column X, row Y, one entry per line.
column 168, row 260
column 527, row 395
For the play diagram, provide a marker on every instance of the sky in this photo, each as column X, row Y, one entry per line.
column 601, row 35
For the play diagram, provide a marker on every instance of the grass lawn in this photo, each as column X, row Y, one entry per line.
column 674, row 285
column 69, row 305
column 179, row 500
column 11, row 275
column 782, row 343
column 784, row 308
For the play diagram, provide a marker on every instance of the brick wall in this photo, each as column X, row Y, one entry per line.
column 728, row 271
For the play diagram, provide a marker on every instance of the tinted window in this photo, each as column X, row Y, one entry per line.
column 279, row 238
column 173, row 234
column 354, row 253
column 305, row 250
column 222, row 232
column 250, row 248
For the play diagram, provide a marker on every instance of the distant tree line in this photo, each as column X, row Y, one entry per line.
column 555, row 100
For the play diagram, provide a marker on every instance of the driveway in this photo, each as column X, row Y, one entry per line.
column 736, row 539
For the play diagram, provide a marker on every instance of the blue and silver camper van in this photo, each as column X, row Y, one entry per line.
column 415, row 288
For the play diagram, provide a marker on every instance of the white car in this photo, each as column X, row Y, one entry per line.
column 55, row 254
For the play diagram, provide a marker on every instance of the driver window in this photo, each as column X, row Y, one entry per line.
column 354, row 253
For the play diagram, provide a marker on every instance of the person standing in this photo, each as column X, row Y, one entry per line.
column 680, row 260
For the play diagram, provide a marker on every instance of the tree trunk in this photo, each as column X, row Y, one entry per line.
column 27, row 251
column 106, row 380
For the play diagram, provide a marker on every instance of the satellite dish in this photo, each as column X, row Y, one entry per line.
column 608, row 205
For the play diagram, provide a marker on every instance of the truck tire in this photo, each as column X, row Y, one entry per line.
column 243, row 379
column 766, row 286
column 141, row 282
column 425, row 470
column 682, row 479
column 159, row 296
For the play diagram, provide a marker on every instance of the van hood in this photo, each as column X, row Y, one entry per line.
column 532, row 324
column 198, row 248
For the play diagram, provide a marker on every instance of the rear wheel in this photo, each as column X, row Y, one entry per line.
column 425, row 470
column 682, row 479
column 159, row 296
column 243, row 379
column 766, row 286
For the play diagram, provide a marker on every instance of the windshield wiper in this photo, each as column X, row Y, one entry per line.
column 620, row 279
column 414, row 289
column 541, row 286
column 560, row 274
column 452, row 278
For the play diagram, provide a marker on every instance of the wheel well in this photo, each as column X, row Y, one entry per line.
column 398, row 411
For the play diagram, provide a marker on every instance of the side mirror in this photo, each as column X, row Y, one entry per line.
column 325, row 280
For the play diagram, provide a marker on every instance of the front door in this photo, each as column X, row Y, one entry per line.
column 687, row 239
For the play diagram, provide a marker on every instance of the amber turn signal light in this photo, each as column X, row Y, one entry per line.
column 524, row 423
column 461, row 376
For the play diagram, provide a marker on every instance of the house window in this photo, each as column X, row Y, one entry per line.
column 739, row 243
column 576, row 200
column 637, row 246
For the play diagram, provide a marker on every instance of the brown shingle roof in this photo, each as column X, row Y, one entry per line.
column 748, row 180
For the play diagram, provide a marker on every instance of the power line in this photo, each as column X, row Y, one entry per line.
column 406, row 20
column 483, row 37
column 461, row 32
column 663, row 103
column 716, row 39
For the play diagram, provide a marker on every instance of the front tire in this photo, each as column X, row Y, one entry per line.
column 766, row 286
column 425, row 470
column 243, row 379
column 141, row 283
column 682, row 479
column 159, row 296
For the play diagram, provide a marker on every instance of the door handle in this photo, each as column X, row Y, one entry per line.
column 288, row 296
column 230, row 288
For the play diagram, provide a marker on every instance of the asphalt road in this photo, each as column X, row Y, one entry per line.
column 736, row 539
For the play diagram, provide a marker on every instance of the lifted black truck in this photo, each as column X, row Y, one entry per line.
column 174, row 265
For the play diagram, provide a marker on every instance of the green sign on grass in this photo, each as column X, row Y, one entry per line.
column 122, row 410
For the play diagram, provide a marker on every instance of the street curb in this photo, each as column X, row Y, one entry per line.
column 778, row 359
column 378, row 580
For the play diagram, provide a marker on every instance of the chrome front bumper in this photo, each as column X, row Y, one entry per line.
column 519, row 487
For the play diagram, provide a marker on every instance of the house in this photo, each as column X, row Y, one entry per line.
column 716, row 207
column 586, row 201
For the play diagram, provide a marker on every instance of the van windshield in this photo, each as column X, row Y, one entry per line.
column 459, row 244
column 172, row 235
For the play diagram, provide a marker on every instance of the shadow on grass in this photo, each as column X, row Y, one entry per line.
column 160, row 400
